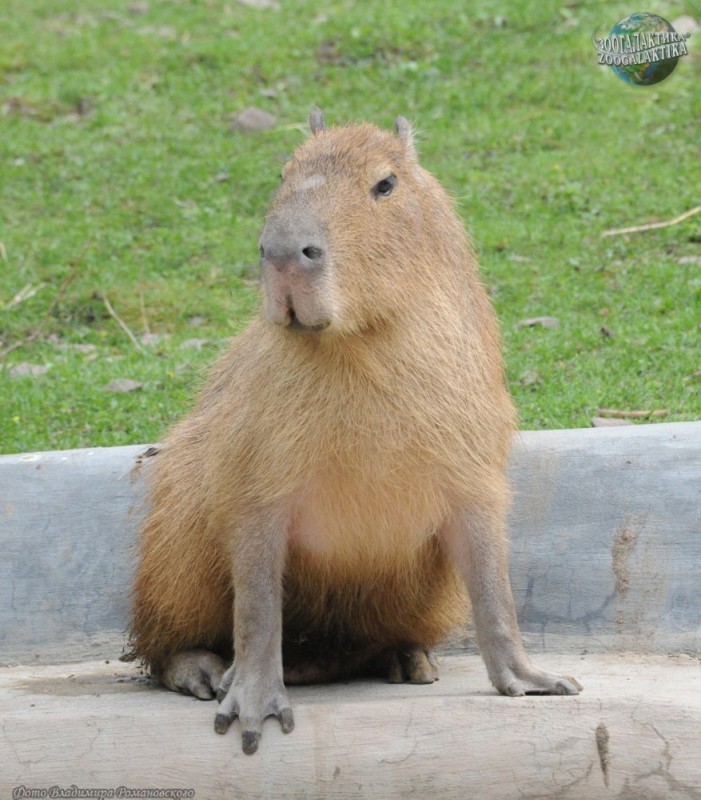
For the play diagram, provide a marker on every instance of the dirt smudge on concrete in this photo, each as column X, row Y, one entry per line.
column 624, row 543
column 602, row 746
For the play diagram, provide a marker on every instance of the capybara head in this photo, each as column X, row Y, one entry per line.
column 355, row 222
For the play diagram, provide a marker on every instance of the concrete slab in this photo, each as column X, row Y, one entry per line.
column 633, row 733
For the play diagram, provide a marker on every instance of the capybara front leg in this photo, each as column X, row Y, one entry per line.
column 252, row 688
column 476, row 538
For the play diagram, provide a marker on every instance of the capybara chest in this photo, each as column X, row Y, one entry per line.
column 366, row 516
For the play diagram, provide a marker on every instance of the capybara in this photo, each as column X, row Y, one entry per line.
column 341, row 479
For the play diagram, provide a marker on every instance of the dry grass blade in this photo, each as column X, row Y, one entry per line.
column 38, row 331
column 617, row 413
column 653, row 225
column 25, row 293
column 122, row 324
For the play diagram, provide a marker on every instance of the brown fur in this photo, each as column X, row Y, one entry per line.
column 365, row 434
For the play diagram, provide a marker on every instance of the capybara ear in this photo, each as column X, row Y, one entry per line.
column 402, row 128
column 316, row 120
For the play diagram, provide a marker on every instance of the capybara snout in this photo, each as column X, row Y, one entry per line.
column 286, row 247
column 293, row 262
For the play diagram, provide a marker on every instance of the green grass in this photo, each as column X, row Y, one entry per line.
column 114, row 140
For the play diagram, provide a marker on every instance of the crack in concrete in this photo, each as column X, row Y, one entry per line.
column 635, row 790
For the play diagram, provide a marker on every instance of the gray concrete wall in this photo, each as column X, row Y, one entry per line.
column 67, row 554
column 606, row 537
column 605, row 530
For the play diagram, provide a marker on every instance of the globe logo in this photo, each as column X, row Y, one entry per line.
column 642, row 49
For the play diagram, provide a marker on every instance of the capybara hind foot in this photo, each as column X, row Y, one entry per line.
column 195, row 672
column 414, row 665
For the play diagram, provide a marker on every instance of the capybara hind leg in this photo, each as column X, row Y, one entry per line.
column 195, row 672
column 414, row 665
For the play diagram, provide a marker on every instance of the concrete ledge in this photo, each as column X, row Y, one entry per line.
column 632, row 734
column 604, row 529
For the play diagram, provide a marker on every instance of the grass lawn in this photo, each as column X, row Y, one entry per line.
column 124, row 195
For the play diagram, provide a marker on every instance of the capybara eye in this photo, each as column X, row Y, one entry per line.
column 384, row 187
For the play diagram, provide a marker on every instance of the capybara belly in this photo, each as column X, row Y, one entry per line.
column 416, row 601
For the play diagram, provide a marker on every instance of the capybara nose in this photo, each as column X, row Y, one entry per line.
column 289, row 252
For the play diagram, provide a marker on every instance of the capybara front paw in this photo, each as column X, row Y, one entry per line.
column 516, row 683
column 252, row 700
